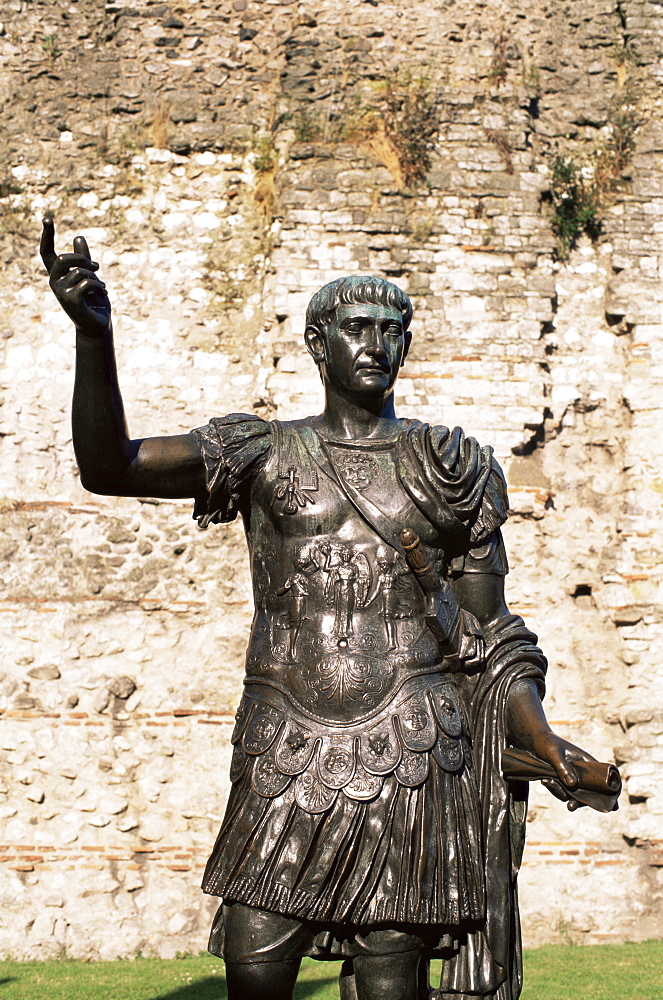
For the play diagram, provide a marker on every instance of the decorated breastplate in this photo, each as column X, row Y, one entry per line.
column 339, row 622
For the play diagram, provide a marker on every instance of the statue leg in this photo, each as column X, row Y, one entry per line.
column 346, row 981
column 259, row 980
column 387, row 977
column 262, row 951
column 348, row 984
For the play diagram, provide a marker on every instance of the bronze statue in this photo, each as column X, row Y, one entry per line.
column 373, row 816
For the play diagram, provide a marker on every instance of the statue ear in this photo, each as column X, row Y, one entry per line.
column 406, row 345
column 315, row 344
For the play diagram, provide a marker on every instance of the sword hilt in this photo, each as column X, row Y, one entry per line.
column 416, row 559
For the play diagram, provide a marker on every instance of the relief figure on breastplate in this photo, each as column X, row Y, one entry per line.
column 263, row 558
column 348, row 580
column 297, row 588
column 392, row 605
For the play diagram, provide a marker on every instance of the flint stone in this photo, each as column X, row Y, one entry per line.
column 46, row 673
column 122, row 687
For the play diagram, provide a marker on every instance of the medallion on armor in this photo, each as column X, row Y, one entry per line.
column 364, row 786
column 413, row 769
column 448, row 753
column 261, row 731
column 267, row 779
column 417, row 727
column 336, row 760
column 380, row 750
column 358, row 470
column 238, row 763
column 295, row 749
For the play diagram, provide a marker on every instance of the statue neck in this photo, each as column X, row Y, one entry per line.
column 346, row 416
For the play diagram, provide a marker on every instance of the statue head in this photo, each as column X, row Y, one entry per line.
column 355, row 288
column 357, row 332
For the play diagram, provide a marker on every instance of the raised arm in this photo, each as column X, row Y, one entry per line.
column 109, row 461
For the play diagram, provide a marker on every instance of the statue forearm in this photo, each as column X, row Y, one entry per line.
column 101, row 442
column 526, row 720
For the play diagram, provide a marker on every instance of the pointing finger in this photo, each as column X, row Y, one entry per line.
column 47, row 243
column 80, row 246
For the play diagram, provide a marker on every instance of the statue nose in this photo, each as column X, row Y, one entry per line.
column 376, row 346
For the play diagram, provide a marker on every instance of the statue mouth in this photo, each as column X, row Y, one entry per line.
column 373, row 370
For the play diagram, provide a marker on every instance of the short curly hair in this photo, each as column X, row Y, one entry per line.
column 355, row 288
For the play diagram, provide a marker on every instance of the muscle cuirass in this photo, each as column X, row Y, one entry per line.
column 339, row 623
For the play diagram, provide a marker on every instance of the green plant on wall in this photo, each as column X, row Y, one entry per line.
column 532, row 78
column 583, row 185
column 51, row 47
column 574, row 203
column 307, row 125
column 265, row 162
column 265, row 154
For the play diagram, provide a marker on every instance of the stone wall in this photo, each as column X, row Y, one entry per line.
column 224, row 160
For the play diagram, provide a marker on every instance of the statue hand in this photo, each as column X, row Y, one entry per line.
column 77, row 288
column 560, row 754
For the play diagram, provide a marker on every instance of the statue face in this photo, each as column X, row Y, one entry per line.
column 362, row 348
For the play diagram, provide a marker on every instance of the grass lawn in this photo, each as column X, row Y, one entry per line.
column 609, row 972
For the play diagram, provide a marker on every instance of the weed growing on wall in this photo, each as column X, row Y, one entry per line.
column 575, row 206
column 500, row 139
column 398, row 124
column 160, row 124
column 500, row 61
column 51, row 46
column 265, row 161
column 307, row 125
column 582, row 186
column 412, row 122
column 265, row 154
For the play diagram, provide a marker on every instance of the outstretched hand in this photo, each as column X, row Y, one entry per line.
column 77, row 288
